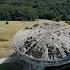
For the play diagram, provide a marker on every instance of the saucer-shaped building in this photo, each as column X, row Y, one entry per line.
column 43, row 44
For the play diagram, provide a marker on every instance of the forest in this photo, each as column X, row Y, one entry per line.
column 35, row 9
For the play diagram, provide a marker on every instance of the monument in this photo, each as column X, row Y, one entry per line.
column 43, row 45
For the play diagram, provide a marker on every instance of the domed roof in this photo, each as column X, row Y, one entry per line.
column 44, row 43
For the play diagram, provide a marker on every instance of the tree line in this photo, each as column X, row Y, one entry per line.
column 34, row 9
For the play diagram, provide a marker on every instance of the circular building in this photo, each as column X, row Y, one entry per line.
column 43, row 44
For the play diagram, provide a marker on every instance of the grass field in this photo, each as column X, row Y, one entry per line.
column 7, row 31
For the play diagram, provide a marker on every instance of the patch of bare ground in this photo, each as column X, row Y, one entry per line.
column 5, row 49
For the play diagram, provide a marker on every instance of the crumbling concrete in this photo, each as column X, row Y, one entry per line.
column 44, row 43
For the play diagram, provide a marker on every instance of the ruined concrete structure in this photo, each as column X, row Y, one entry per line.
column 44, row 44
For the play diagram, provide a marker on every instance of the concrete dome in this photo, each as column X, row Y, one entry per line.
column 43, row 44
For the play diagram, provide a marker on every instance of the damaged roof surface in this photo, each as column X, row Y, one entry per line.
column 44, row 43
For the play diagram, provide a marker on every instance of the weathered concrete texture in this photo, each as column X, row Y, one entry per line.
column 44, row 44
